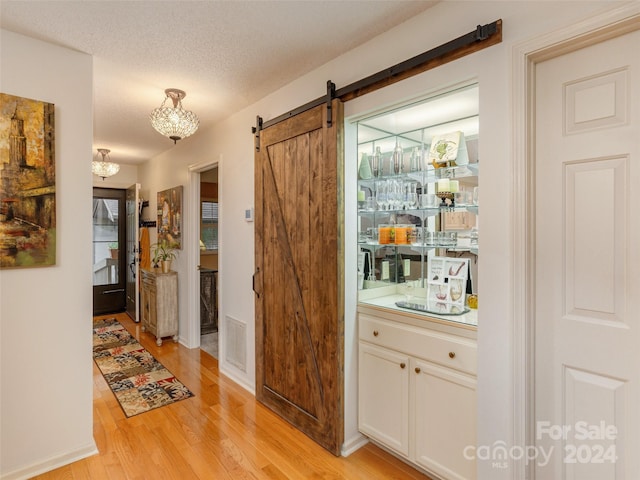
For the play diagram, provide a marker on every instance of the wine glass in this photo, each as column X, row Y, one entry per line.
column 411, row 197
column 409, row 288
column 382, row 195
column 392, row 194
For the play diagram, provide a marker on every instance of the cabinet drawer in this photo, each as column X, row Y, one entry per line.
column 448, row 350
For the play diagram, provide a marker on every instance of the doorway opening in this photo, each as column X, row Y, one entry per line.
column 109, row 227
column 209, row 261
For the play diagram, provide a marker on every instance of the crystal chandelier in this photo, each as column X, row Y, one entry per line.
column 174, row 122
column 105, row 167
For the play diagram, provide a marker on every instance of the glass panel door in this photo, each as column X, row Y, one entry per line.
column 108, row 254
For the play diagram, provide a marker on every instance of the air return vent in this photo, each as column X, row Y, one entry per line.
column 236, row 343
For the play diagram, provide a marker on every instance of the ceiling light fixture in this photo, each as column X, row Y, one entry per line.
column 105, row 167
column 174, row 122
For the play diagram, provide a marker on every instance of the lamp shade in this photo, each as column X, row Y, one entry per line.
column 174, row 121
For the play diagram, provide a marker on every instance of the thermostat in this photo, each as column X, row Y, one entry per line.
column 248, row 215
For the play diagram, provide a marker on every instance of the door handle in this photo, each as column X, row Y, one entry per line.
column 253, row 283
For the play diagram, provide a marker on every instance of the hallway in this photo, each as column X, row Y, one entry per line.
column 222, row 433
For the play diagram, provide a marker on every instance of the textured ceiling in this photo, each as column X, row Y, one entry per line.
column 224, row 54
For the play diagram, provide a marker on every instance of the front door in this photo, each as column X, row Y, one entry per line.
column 133, row 250
column 108, row 250
column 587, row 340
column 299, row 274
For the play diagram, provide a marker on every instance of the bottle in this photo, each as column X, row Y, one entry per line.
column 398, row 155
column 364, row 171
column 376, row 163
column 414, row 163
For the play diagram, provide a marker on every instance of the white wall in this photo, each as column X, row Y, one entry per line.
column 46, row 394
column 232, row 141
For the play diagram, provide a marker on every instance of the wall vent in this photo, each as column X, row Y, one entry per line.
column 236, row 344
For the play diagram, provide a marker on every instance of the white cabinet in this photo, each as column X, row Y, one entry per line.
column 417, row 393
column 159, row 304
column 444, row 419
column 384, row 380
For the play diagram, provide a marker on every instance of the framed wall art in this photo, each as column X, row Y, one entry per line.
column 170, row 216
column 27, row 183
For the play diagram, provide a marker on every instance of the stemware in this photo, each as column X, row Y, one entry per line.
column 382, row 197
column 396, row 194
column 412, row 195
column 409, row 288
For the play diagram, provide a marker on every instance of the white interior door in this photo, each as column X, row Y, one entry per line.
column 587, row 341
column 133, row 250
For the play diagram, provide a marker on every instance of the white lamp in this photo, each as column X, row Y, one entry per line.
column 174, row 122
column 104, row 167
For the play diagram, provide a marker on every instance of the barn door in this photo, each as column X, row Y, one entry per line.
column 299, row 274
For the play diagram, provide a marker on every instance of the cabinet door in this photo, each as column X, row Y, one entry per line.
column 153, row 316
column 144, row 306
column 383, row 392
column 445, row 420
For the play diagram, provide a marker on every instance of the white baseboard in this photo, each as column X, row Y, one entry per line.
column 239, row 380
column 354, row 443
column 51, row 463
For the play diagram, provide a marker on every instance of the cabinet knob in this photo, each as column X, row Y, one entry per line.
column 375, row 333
column 417, row 369
column 402, row 365
column 452, row 354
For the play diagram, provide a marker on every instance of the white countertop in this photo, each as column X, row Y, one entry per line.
column 389, row 301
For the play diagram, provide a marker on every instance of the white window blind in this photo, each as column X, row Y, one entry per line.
column 209, row 224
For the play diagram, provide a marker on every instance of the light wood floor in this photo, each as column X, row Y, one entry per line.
column 221, row 433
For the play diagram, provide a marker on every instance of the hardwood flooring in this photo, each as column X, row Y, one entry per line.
column 222, row 433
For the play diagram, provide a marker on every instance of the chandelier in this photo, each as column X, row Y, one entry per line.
column 104, row 167
column 174, row 122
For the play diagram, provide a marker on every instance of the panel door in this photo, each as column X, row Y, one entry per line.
column 133, row 249
column 383, row 393
column 445, row 420
column 109, row 227
column 587, row 379
column 299, row 279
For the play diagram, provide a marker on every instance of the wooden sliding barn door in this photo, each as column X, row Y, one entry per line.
column 299, row 274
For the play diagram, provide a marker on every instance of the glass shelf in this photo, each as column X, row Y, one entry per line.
column 472, row 209
column 411, row 211
column 428, row 176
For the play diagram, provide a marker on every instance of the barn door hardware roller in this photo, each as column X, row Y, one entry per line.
column 331, row 94
column 256, row 132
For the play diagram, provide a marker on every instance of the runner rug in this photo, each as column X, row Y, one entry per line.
column 139, row 381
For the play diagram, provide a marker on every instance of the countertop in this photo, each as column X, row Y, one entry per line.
column 387, row 299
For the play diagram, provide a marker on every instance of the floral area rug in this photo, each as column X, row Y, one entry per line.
column 137, row 379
